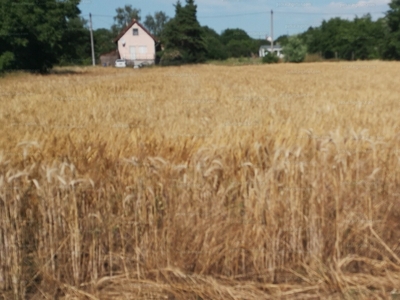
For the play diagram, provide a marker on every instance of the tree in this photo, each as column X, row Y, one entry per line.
column 270, row 58
column 312, row 39
column 76, row 43
column 367, row 39
column 215, row 49
column 124, row 17
column 103, row 41
column 183, row 37
column 238, row 43
column 157, row 23
column 294, row 50
column 282, row 40
column 361, row 38
column 32, row 33
column 392, row 23
column 234, row 34
column 238, row 48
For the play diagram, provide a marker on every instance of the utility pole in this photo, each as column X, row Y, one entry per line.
column 91, row 39
column 272, row 33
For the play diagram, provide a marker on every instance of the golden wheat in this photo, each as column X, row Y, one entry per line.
column 201, row 182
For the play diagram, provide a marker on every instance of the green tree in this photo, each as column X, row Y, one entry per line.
column 215, row 49
column 270, row 58
column 282, row 40
column 124, row 17
column 76, row 43
column 183, row 37
column 294, row 50
column 392, row 23
column 157, row 23
column 312, row 39
column 361, row 38
column 238, row 43
column 367, row 38
column 234, row 34
column 237, row 48
column 32, row 33
column 103, row 41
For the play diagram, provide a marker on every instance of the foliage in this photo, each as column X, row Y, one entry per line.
column 56, row 34
column 215, row 49
column 184, row 34
column 171, row 57
column 237, row 48
column 76, row 43
column 157, row 23
column 282, row 40
column 361, row 38
column 270, row 58
column 6, row 60
column 392, row 26
column 234, row 34
column 32, row 34
column 124, row 17
column 294, row 50
column 103, row 42
column 239, row 44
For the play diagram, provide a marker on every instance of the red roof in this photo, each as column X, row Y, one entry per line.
column 129, row 26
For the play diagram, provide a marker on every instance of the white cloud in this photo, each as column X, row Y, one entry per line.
column 359, row 4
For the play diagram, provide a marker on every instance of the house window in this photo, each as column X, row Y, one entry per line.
column 135, row 31
column 143, row 49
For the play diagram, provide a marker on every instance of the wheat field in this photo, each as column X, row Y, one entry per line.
column 201, row 182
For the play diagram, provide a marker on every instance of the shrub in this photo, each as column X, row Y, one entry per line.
column 270, row 59
column 171, row 58
column 294, row 50
column 6, row 60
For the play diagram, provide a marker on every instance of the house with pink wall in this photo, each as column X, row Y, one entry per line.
column 137, row 45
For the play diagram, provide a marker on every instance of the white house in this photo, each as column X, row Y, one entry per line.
column 136, row 44
column 277, row 50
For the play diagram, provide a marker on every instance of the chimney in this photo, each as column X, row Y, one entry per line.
column 133, row 20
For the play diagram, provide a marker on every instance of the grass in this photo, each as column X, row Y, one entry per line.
column 196, row 182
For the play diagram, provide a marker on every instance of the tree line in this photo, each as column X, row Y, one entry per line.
column 359, row 39
column 38, row 34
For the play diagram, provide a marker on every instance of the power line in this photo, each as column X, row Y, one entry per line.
column 332, row 13
column 103, row 16
column 263, row 13
column 279, row 12
column 290, row 13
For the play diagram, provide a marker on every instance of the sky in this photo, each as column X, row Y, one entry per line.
column 253, row 16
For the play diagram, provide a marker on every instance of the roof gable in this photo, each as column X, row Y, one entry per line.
column 134, row 21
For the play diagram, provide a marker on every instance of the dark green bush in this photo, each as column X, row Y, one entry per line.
column 270, row 59
column 171, row 58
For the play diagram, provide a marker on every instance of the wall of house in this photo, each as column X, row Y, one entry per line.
column 137, row 41
column 263, row 52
